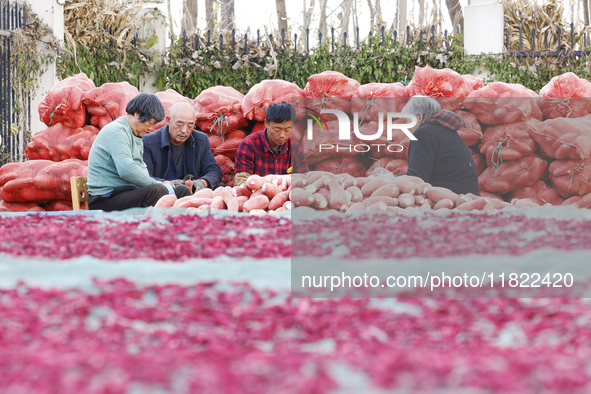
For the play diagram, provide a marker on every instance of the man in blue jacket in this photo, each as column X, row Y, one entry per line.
column 177, row 150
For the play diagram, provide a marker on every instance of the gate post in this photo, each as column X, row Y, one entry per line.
column 50, row 12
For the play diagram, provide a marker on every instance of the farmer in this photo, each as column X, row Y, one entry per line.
column 270, row 151
column 178, row 150
column 439, row 156
column 117, row 175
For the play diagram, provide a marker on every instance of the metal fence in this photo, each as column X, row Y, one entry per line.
column 12, row 16
column 426, row 39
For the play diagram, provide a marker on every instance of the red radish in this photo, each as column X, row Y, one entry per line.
column 319, row 201
column 278, row 200
column 356, row 207
column 406, row 200
column 254, row 182
column 166, row 201
column 206, row 193
column 356, row 194
column 378, row 206
column 218, row 203
column 301, row 197
column 444, row 203
column 270, row 190
column 390, row 201
column 338, row 198
column 388, row 190
column 370, row 187
column 258, row 202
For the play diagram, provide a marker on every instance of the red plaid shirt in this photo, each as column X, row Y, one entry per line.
column 255, row 156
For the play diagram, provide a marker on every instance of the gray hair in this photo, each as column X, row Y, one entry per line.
column 423, row 105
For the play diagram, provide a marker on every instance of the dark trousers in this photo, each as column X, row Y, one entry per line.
column 141, row 197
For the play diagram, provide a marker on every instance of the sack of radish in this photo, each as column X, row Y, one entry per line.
column 39, row 181
column 219, row 110
column 108, row 102
column 63, row 103
column 58, row 143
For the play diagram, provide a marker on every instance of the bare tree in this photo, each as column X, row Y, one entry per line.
column 401, row 16
column 227, row 14
column 209, row 15
column 189, row 21
column 455, row 14
column 378, row 13
column 345, row 16
column 421, row 12
column 281, row 15
column 322, row 25
column 372, row 15
column 586, row 12
column 307, row 20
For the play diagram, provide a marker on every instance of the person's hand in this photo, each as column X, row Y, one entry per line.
column 198, row 184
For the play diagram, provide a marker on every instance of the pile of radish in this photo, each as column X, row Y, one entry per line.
column 386, row 192
column 257, row 196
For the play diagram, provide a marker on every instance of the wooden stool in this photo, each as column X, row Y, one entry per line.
column 79, row 192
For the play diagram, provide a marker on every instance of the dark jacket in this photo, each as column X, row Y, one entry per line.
column 440, row 156
column 198, row 157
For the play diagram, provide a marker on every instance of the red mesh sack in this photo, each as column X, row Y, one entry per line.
column 58, row 205
column 325, row 143
column 58, row 143
column 540, row 193
column 168, row 98
column 330, row 84
column 19, row 207
column 479, row 160
column 508, row 141
column 503, row 103
column 39, row 181
column 396, row 148
column 107, row 102
column 471, row 133
column 564, row 138
column 431, row 82
column 228, row 148
column 265, row 93
column 227, row 167
column 396, row 166
column 512, row 175
column 373, row 98
column 219, row 110
column 473, row 82
column 579, row 201
column 566, row 96
column 63, row 103
column 342, row 165
column 571, row 177
column 496, row 196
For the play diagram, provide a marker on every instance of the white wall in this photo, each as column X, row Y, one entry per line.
column 51, row 13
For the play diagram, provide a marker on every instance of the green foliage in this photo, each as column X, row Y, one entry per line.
column 105, row 64
column 189, row 70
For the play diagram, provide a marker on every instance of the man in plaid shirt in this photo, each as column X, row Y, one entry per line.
column 270, row 151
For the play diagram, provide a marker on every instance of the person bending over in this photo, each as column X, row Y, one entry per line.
column 117, row 175
column 178, row 150
column 270, row 151
column 439, row 156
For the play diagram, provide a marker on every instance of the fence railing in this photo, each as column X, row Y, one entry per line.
column 427, row 39
column 243, row 41
column 12, row 16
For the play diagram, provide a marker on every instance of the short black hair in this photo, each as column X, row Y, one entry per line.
column 280, row 112
column 147, row 105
